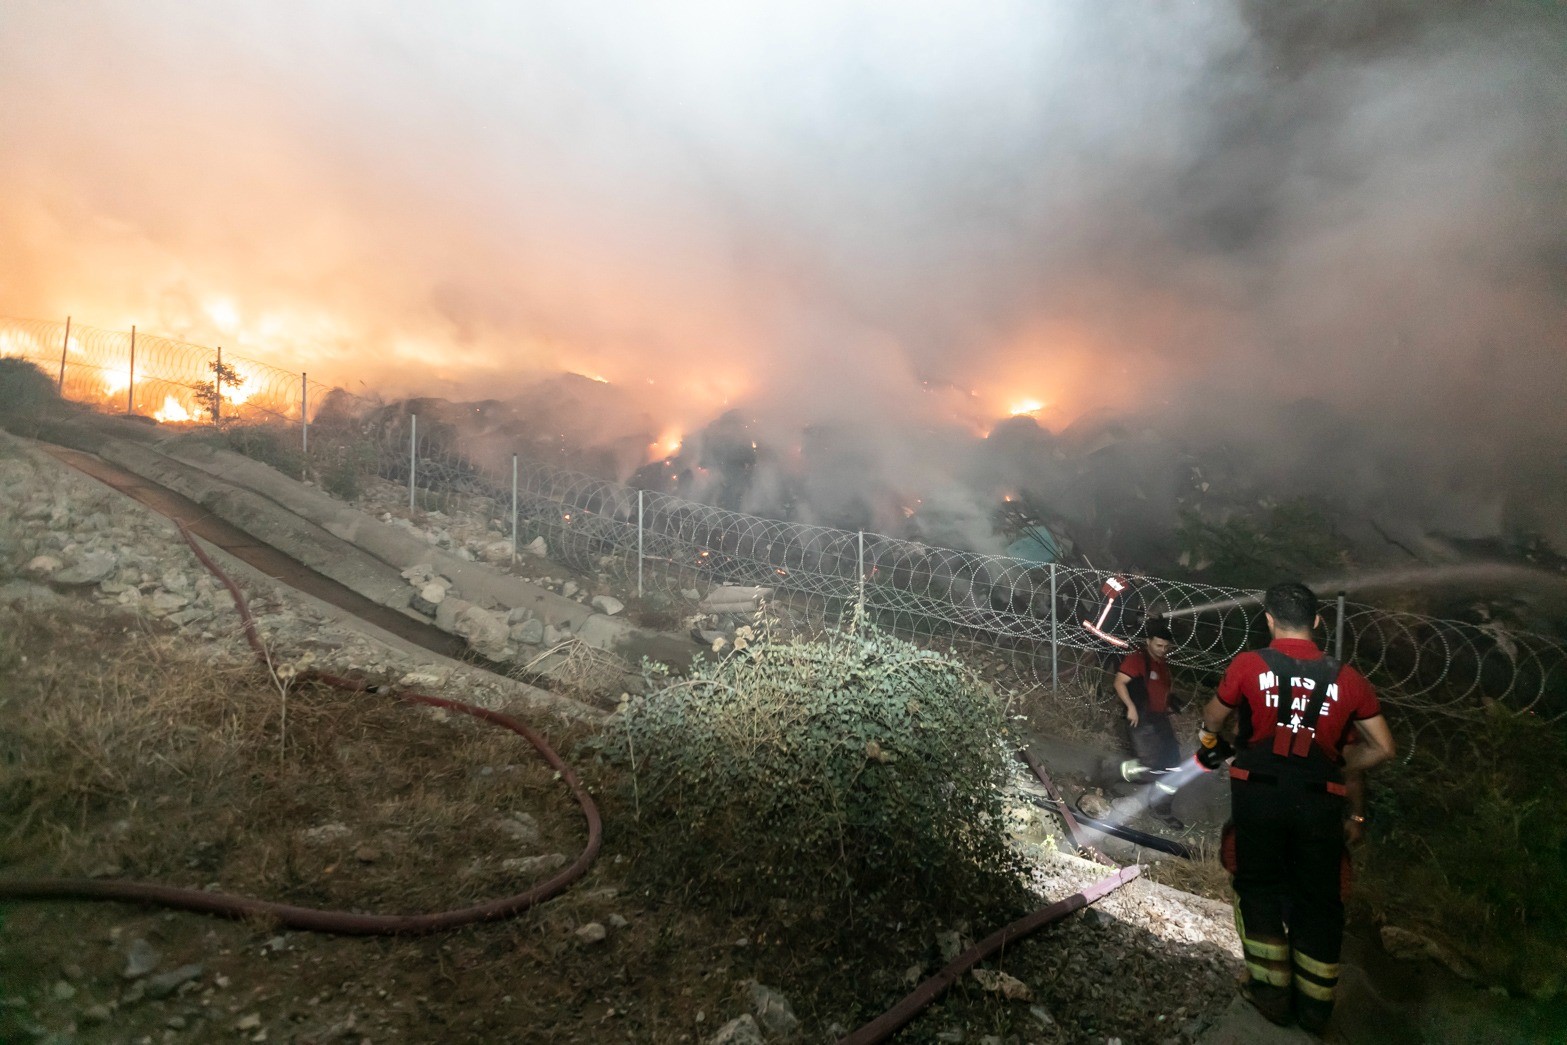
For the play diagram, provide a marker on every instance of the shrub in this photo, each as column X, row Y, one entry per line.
column 25, row 390
column 843, row 773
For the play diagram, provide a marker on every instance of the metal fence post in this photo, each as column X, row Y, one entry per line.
column 65, row 346
column 130, row 389
column 304, row 425
column 217, row 391
column 639, row 544
column 514, row 509
column 1338, row 631
column 860, row 604
column 413, row 457
column 1055, row 662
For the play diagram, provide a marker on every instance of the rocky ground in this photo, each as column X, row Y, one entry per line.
column 111, row 585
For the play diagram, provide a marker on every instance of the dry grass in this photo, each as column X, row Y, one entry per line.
column 123, row 751
column 578, row 670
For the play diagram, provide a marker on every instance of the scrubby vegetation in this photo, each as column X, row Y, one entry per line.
column 25, row 392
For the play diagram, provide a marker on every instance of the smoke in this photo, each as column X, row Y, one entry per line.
column 1327, row 240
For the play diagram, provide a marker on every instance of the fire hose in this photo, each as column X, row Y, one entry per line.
column 313, row 919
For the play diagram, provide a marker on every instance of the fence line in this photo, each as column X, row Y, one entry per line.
column 1028, row 610
column 1032, row 611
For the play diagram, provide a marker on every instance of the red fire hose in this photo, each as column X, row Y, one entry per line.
column 308, row 918
column 913, row 1003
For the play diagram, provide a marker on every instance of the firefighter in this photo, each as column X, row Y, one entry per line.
column 1142, row 681
column 1284, row 846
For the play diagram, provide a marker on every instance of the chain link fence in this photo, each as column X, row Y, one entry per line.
column 133, row 372
column 1036, row 614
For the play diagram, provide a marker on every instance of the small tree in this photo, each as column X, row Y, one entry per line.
column 210, row 393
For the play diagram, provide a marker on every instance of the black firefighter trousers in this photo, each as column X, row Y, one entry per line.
column 1289, row 846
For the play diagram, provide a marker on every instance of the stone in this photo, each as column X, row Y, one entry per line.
column 446, row 613
column 950, row 944
column 690, row 594
column 569, row 589
column 608, row 604
column 1005, row 984
column 772, row 1010
column 166, row 983
column 742, row 1030
column 518, row 614
column 591, row 933
column 164, row 603
column 250, row 1022
column 90, row 569
column 325, row 833
column 140, row 959
column 485, row 632
column 528, row 632
column 496, row 551
column 617, row 921
column 95, row 1014
column 537, row 547
column 534, row 865
column 43, row 565
column 419, row 574
column 62, row 991
column 419, row 605
column 521, row 828
column 367, row 854
column 434, row 593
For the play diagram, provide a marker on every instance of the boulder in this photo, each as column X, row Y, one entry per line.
column 608, row 604
column 528, row 633
column 772, row 1011
column 742, row 1030
column 537, row 547
column 90, row 569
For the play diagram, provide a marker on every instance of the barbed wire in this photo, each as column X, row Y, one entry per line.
column 1034, row 613
column 1030, row 610
column 155, row 375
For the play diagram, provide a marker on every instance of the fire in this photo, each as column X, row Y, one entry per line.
column 1026, row 406
column 173, row 412
column 116, row 381
column 668, row 444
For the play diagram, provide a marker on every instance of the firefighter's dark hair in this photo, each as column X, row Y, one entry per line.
column 1292, row 604
column 1157, row 629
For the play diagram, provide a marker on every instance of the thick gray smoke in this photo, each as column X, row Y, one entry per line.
column 1324, row 243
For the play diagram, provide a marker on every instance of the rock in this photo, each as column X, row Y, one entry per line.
column 772, row 1011
column 569, row 589
column 950, row 944
column 326, row 833
column 164, row 603
column 553, row 635
column 95, row 1014
column 1094, row 805
column 140, row 959
column 43, row 565
column 434, row 593
column 166, row 983
column 742, row 1030
column 496, row 551
column 446, row 613
column 537, row 547
column 250, row 1022
column 617, row 922
column 518, row 614
column 62, row 991
column 534, row 865
column 367, row 854
column 484, row 631
column 419, row 605
column 521, row 828
column 90, row 569
column 608, row 604
column 690, row 594
column 419, row 574
column 591, row 933
column 1008, row 986
column 528, row 633
column 1411, row 946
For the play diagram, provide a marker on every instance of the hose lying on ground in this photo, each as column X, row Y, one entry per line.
column 895, row 1018
column 312, row 919
column 1081, row 819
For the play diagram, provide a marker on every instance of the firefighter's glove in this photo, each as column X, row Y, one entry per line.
column 1212, row 749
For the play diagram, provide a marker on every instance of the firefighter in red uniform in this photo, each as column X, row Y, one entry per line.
column 1295, row 708
column 1142, row 681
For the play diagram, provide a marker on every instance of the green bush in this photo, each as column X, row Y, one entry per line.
column 25, row 390
column 844, row 775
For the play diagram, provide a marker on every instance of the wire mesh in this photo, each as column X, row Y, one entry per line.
column 951, row 597
column 936, row 595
